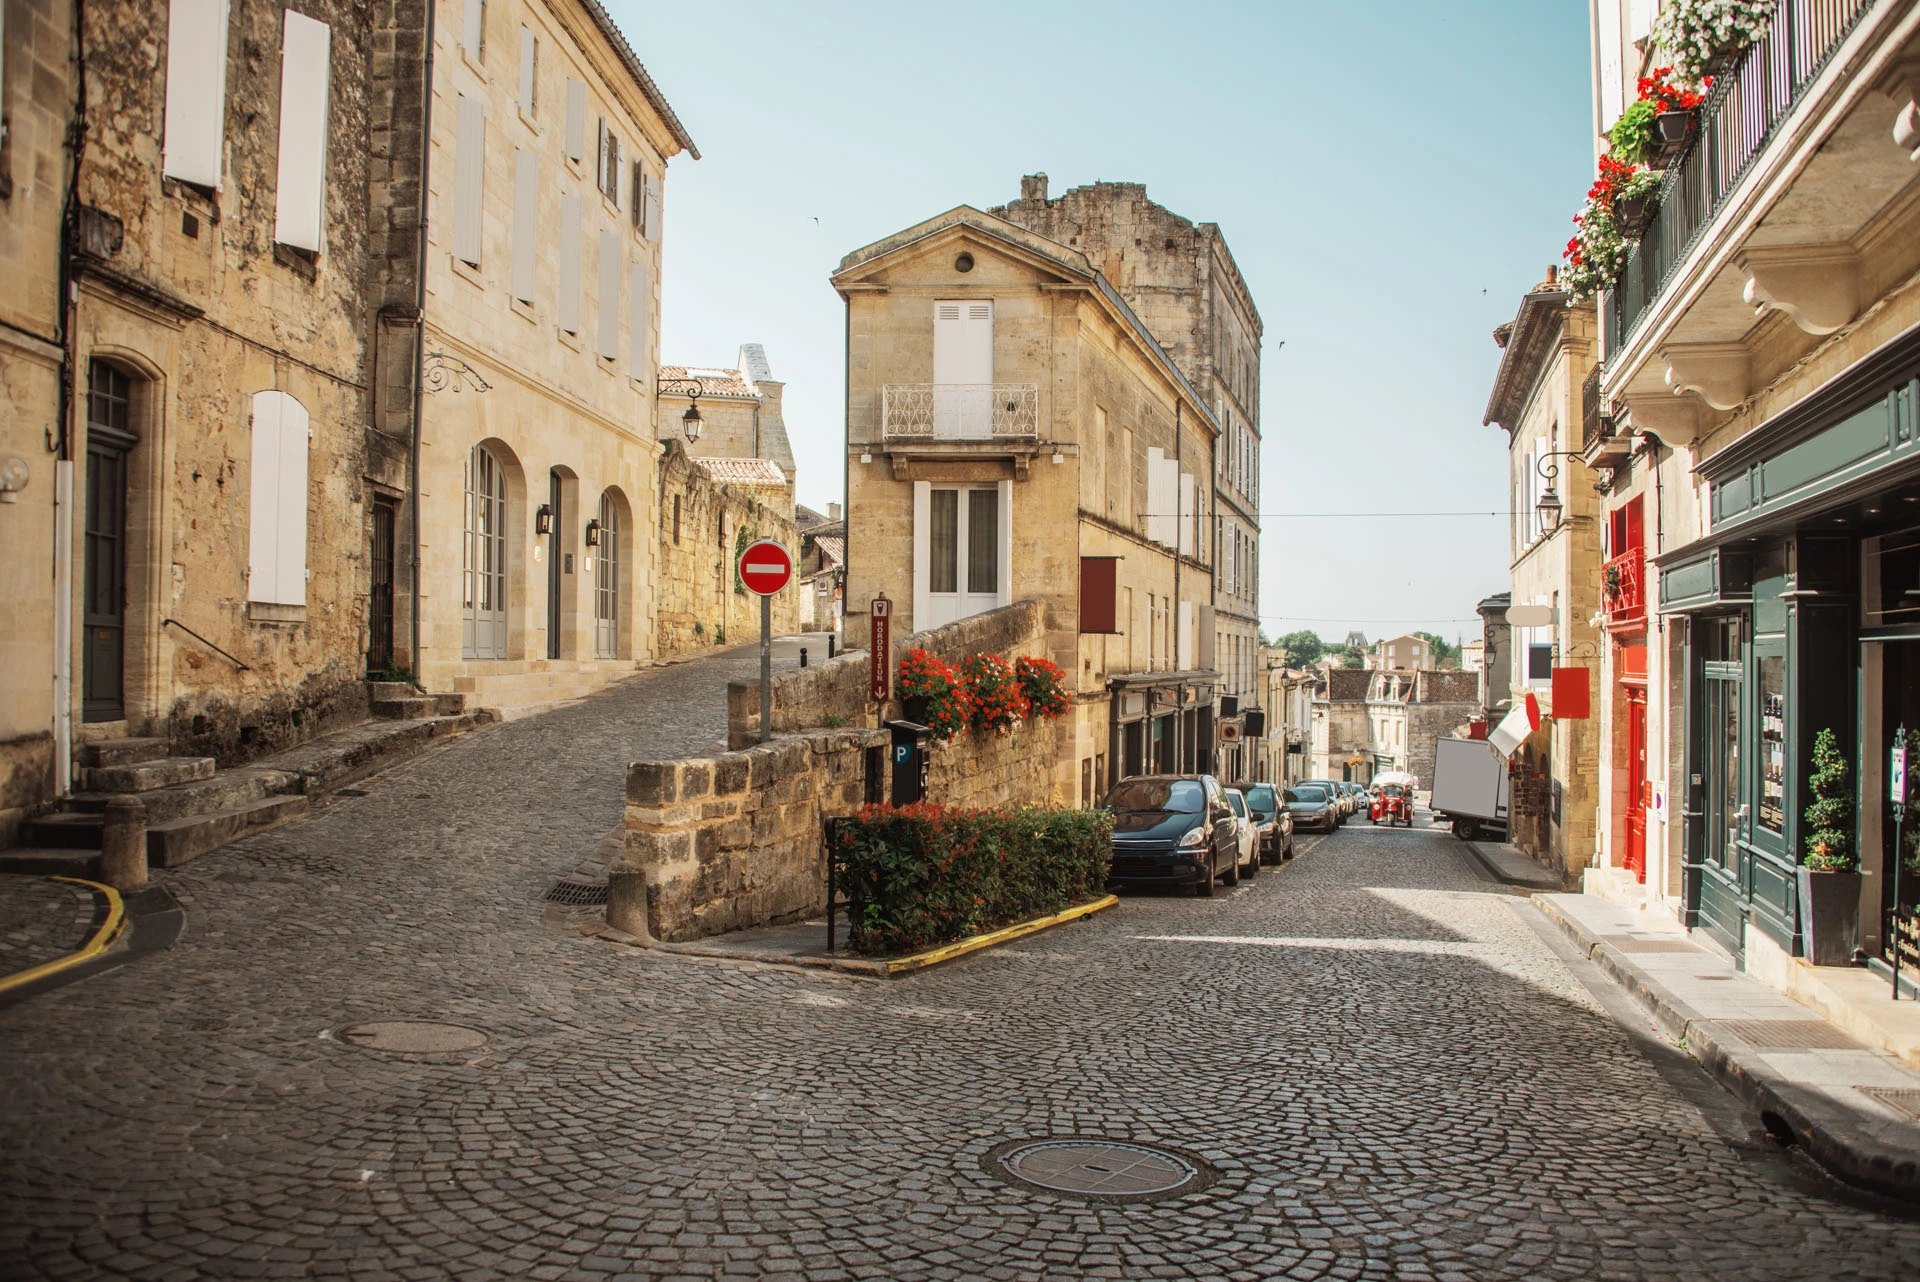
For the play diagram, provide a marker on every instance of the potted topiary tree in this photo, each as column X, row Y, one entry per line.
column 1829, row 869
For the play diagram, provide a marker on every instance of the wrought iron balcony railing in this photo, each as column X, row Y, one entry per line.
column 1623, row 580
column 1591, row 424
column 1737, row 121
column 960, row 411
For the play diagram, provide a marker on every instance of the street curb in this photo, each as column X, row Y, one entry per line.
column 1830, row 1133
column 101, row 939
column 949, row 952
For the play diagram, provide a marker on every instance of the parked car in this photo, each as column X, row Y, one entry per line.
column 1342, row 804
column 1246, row 831
column 1312, row 805
column 1172, row 830
column 1271, row 819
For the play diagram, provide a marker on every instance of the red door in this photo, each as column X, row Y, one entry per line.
column 1636, row 858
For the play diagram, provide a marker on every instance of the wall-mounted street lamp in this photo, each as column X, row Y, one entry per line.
column 1549, row 507
column 439, row 371
column 593, row 534
column 691, row 424
column 543, row 519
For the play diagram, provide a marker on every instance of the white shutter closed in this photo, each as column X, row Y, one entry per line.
column 576, row 119
column 196, row 91
column 529, row 64
column 651, row 218
column 473, row 31
column 526, row 221
column 1608, row 19
column 1161, row 521
column 608, row 337
column 301, row 188
column 277, row 497
column 637, row 308
column 469, row 179
column 570, row 236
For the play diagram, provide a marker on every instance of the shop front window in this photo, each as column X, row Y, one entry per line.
column 1773, row 743
column 1890, row 588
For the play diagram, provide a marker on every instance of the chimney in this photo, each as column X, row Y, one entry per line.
column 1033, row 187
column 1553, row 275
column 833, row 511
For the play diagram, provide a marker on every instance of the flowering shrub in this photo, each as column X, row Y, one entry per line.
column 995, row 701
column 1598, row 252
column 1633, row 137
column 922, row 676
column 919, row 876
column 1044, row 686
column 1700, row 32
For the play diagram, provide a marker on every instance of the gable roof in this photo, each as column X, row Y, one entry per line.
column 750, row 472
column 655, row 99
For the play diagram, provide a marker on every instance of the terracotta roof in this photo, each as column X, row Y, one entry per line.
column 713, row 382
column 745, row 471
column 833, row 548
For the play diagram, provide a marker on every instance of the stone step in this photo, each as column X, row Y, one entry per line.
column 407, row 709
column 223, row 791
column 121, row 752
column 40, row 862
column 175, row 841
column 378, row 691
column 65, row 831
column 148, row 776
column 450, row 705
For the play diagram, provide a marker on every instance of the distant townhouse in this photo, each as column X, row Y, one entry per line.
column 1408, row 710
column 1407, row 651
column 1341, row 732
column 1015, row 431
column 740, row 409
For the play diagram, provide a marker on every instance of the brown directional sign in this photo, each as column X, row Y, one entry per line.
column 879, row 649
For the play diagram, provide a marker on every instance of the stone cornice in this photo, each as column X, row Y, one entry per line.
column 1541, row 321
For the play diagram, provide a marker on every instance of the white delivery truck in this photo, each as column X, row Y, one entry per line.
column 1470, row 787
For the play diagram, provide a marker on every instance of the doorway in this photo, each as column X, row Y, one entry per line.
column 110, row 439
column 380, row 597
column 1635, row 857
column 553, row 565
column 1722, row 907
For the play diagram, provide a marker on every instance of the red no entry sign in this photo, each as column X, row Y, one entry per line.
column 765, row 567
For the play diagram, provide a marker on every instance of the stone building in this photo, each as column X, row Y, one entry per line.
column 1407, row 651
column 1496, row 654
column 1340, row 731
column 1180, row 279
column 1754, row 427
column 1546, row 354
column 1287, row 697
column 520, row 280
column 1408, row 709
column 740, row 409
column 1016, row 432
column 711, row 509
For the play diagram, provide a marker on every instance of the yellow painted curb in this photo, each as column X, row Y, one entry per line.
column 102, row 939
column 947, row 952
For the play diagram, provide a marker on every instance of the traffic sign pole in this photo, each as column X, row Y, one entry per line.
column 766, row 668
column 765, row 567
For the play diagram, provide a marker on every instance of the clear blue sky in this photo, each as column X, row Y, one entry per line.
column 1391, row 175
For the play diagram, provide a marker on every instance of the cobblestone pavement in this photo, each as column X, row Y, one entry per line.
column 41, row 919
column 1392, row 1071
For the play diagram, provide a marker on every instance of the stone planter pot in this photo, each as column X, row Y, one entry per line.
column 1830, row 915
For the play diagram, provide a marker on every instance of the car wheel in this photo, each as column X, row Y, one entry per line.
column 1233, row 869
column 1204, row 887
column 1253, row 864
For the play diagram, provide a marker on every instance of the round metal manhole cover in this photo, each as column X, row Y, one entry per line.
column 1105, row 1170
column 413, row 1037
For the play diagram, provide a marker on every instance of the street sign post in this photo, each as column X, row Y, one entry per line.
column 879, row 649
column 1897, row 793
column 765, row 567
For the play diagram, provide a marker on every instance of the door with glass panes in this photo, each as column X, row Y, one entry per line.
column 964, row 573
column 1722, row 809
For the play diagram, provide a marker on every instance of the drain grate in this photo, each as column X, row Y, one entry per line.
column 1790, row 1034
column 1904, row 1100
column 577, row 894
column 1100, row 1169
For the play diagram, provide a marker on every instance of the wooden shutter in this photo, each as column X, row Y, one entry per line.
column 526, row 221
column 196, row 91
column 1607, row 18
column 608, row 343
column 301, row 188
column 652, row 216
column 296, row 437
column 469, row 179
column 529, row 67
column 576, row 120
column 639, row 189
column 963, row 343
column 637, row 307
column 570, row 250
column 474, row 30
column 1099, row 593
column 277, row 501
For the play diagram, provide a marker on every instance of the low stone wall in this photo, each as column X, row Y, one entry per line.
column 722, row 843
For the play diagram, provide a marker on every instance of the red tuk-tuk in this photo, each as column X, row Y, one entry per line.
column 1392, row 800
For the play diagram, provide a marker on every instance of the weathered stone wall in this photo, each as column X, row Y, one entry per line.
column 698, row 603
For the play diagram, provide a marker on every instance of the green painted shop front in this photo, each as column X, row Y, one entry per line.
column 1799, row 612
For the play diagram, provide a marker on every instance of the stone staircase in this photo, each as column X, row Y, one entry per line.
column 193, row 807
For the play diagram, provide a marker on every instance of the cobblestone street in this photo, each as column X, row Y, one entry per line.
column 1393, row 1072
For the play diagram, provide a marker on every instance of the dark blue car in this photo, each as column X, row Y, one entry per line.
column 1172, row 830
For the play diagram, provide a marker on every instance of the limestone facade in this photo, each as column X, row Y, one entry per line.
column 1340, row 729
column 1180, row 279
column 705, row 523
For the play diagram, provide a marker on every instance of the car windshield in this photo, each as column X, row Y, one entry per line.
column 1260, row 798
column 1133, row 795
column 1307, row 794
column 1393, row 790
column 1238, row 803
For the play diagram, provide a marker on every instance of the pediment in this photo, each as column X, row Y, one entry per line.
column 930, row 249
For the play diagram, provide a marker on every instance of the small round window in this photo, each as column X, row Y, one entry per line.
column 964, row 263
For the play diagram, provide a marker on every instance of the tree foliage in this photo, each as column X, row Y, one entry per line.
column 1302, row 647
column 1830, row 817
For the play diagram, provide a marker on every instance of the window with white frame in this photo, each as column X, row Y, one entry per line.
column 277, row 500
column 608, row 169
column 300, row 189
column 962, row 548
column 195, row 126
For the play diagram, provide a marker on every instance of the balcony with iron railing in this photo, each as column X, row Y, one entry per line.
column 1740, row 119
column 1623, row 590
column 937, row 413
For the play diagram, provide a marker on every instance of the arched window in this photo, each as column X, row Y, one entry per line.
column 484, row 564
column 606, row 580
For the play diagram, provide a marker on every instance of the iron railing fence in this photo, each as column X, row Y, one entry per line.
column 960, row 411
column 1624, row 586
column 1590, row 426
column 1737, row 121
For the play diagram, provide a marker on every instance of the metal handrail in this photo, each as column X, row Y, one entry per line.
column 1626, row 602
column 1737, row 121
column 960, row 411
column 203, row 641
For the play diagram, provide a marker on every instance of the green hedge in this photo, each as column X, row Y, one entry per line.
column 919, row 876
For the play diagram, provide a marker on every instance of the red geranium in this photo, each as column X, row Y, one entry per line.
column 1044, row 686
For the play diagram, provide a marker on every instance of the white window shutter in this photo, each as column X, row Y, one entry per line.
column 469, row 179
column 1608, row 18
column 1188, row 499
column 576, row 119
column 652, row 216
column 570, row 248
column 526, row 221
column 473, row 33
column 301, row 188
column 922, row 540
column 529, row 63
column 608, row 343
column 263, row 498
column 637, row 308
column 296, row 438
column 600, row 155
column 1003, row 545
column 196, row 91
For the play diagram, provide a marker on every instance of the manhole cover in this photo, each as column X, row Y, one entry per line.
column 413, row 1036
column 577, row 893
column 1106, row 1170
